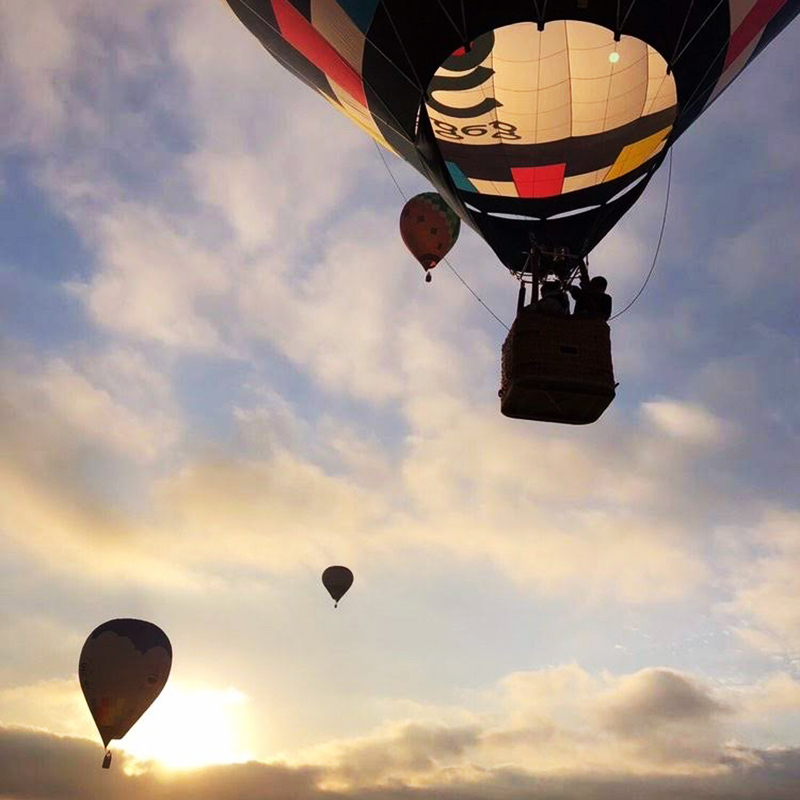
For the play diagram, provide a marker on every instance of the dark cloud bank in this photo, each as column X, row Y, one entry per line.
column 35, row 765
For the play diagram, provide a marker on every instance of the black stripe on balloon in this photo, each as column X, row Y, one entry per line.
column 582, row 154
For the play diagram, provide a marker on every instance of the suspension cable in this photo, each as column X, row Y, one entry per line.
column 658, row 245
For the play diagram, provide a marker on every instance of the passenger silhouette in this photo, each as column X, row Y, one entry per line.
column 591, row 299
column 554, row 302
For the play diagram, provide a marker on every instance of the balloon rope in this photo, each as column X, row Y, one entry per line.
column 697, row 32
column 455, row 272
column 446, row 261
column 625, row 18
column 461, row 34
column 702, row 85
column 421, row 88
column 658, row 246
column 680, row 35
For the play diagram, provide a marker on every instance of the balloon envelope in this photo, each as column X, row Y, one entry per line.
column 429, row 228
column 337, row 580
column 123, row 667
column 541, row 120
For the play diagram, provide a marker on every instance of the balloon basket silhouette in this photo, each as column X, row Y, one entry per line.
column 107, row 759
column 428, row 277
column 556, row 369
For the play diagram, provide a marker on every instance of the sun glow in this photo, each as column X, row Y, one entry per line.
column 190, row 727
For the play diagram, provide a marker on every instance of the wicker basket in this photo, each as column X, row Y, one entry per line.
column 556, row 369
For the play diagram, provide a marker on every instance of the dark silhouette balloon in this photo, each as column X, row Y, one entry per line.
column 123, row 666
column 337, row 580
column 429, row 228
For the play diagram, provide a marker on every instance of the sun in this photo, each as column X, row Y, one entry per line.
column 189, row 727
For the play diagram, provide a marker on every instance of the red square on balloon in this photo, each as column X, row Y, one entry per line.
column 545, row 181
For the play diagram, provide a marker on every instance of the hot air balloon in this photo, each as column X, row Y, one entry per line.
column 123, row 666
column 540, row 123
column 337, row 580
column 429, row 228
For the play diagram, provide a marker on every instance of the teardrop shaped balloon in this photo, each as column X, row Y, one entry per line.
column 429, row 228
column 337, row 580
column 124, row 665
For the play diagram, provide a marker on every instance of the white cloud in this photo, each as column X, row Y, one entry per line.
column 33, row 105
column 559, row 721
column 691, row 423
column 154, row 282
column 113, row 399
column 55, row 703
column 767, row 586
column 665, row 716
column 39, row 764
column 752, row 264
column 278, row 513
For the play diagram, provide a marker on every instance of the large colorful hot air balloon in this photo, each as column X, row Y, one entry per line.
column 532, row 118
column 429, row 229
column 337, row 580
column 123, row 667
column 539, row 122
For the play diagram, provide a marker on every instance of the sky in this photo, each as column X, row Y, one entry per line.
column 220, row 372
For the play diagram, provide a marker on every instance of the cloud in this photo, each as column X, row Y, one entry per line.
column 49, row 640
column 45, row 702
column 40, row 765
column 656, row 697
column 270, row 503
column 37, row 764
column 595, row 516
column 33, row 104
column 50, row 60
column 107, row 414
column 684, row 421
column 111, row 398
column 114, row 418
column 769, row 710
column 154, row 282
column 562, row 721
column 404, row 752
column 757, row 256
column 665, row 717
column 558, row 721
column 284, row 490
column 767, row 593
